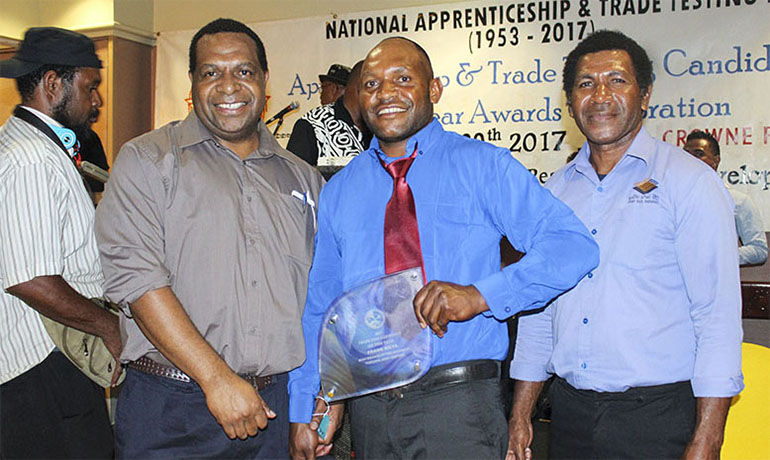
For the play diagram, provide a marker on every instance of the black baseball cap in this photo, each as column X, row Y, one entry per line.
column 50, row 46
column 337, row 73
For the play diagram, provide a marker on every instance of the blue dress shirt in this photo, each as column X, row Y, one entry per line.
column 468, row 194
column 664, row 305
column 751, row 230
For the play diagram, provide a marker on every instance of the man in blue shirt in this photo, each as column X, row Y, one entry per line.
column 752, row 249
column 646, row 349
column 467, row 195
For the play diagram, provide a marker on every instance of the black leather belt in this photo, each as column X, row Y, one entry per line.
column 465, row 371
column 148, row 366
column 452, row 374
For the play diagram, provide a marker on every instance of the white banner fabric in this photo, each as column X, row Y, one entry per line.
column 501, row 63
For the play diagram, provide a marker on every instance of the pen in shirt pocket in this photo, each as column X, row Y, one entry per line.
column 306, row 200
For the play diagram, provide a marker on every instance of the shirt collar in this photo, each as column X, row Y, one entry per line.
column 642, row 148
column 192, row 131
column 42, row 116
column 423, row 139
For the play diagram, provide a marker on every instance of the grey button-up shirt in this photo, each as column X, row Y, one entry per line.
column 232, row 238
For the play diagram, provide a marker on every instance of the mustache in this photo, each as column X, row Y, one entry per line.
column 93, row 116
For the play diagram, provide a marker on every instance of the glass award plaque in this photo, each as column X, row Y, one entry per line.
column 371, row 340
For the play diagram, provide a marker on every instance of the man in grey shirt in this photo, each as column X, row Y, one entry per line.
column 206, row 235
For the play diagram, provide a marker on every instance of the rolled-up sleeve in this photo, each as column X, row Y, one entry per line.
column 558, row 249
column 129, row 228
column 712, row 280
column 534, row 345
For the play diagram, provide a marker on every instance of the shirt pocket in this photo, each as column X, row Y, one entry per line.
column 643, row 235
column 293, row 220
column 451, row 229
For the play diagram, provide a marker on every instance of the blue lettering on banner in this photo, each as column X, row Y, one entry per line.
column 465, row 76
column 676, row 64
column 745, row 176
column 516, row 77
column 306, row 90
column 516, row 115
column 690, row 109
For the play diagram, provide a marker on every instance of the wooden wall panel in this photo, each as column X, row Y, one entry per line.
column 9, row 97
column 126, row 91
column 132, row 92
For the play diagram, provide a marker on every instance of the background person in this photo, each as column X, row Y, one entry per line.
column 333, row 83
column 752, row 247
column 332, row 132
column 49, row 263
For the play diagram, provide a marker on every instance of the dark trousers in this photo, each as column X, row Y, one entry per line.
column 158, row 417
column 54, row 411
column 644, row 422
column 455, row 421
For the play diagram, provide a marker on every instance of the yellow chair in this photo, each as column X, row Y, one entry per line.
column 747, row 433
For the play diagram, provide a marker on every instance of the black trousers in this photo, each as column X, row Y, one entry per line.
column 54, row 411
column 644, row 422
column 455, row 421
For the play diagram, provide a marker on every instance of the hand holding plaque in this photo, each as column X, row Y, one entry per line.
column 371, row 340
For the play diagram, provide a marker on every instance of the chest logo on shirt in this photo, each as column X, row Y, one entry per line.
column 646, row 186
column 643, row 194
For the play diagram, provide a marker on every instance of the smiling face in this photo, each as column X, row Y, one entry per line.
column 606, row 100
column 80, row 100
column 228, row 89
column 397, row 93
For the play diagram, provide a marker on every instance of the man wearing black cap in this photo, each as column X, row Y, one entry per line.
column 49, row 263
column 330, row 135
column 333, row 83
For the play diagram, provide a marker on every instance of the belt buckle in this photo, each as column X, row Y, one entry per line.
column 398, row 392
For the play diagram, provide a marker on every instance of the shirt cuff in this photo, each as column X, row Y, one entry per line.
column 717, row 387
column 129, row 292
column 301, row 407
column 497, row 294
column 529, row 372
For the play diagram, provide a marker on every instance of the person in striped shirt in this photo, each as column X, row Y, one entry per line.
column 49, row 262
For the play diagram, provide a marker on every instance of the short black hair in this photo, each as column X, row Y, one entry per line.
column 705, row 135
column 227, row 25
column 606, row 40
column 26, row 84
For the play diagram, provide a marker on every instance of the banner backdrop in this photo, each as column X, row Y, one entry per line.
column 501, row 63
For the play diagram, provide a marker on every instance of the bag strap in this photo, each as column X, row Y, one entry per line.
column 27, row 116
column 24, row 114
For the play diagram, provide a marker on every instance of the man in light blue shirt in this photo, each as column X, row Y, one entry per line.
column 646, row 349
column 467, row 194
column 748, row 221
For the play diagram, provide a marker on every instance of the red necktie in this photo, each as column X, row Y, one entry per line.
column 402, row 237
